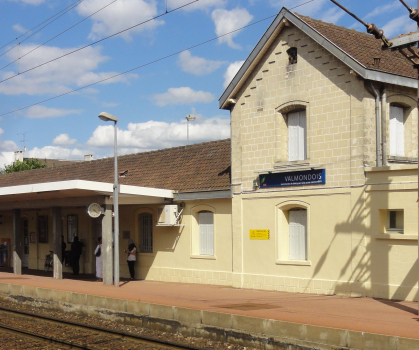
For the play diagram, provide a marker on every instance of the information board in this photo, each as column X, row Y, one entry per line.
column 295, row 178
column 259, row 234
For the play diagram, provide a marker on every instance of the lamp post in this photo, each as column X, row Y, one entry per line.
column 109, row 117
column 191, row 117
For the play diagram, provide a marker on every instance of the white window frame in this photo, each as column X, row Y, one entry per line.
column 297, row 135
column 396, row 131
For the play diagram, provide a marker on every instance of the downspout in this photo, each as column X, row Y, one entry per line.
column 377, row 126
column 384, row 125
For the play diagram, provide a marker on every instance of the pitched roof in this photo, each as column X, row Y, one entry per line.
column 199, row 167
column 363, row 47
column 357, row 50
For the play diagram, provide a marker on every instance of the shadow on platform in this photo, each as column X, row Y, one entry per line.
column 66, row 275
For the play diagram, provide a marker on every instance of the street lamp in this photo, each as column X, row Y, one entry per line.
column 189, row 117
column 109, row 117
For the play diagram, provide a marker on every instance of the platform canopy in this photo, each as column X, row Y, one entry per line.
column 76, row 193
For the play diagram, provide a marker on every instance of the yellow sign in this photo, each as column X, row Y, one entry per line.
column 259, row 234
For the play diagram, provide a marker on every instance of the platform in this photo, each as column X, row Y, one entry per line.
column 375, row 316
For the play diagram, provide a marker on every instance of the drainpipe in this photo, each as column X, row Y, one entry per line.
column 377, row 126
column 383, row 126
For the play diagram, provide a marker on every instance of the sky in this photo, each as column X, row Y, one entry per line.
column 166, row 76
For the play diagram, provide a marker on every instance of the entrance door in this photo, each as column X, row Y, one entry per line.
column 25, row 228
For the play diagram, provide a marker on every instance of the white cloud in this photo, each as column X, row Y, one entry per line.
column 227, row 21
column 231, row 72
column 182, row 96
column 7, row 145
column 332, row 15
column 380, row 10
column 308, row 9
column 399, row 25
column 46, row 112
column 119, row 16
column 64, row 140
column 156, row 135
column 20, row 29
column 199, row 5
column 56, row 152
column 57, row 77
column 197, row 65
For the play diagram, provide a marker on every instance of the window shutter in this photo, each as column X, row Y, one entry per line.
column 293, row 122
column 302, row 136
column 297, row 136
column 206, row 233
column 396, row 130
column 146, row 232
column 298, row 235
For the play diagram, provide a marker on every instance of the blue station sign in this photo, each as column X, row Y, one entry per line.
column 295, row 178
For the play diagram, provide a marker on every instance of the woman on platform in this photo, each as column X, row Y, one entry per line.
column 99, row 260
column 131, row 259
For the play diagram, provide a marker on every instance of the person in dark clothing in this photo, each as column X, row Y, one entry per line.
column 76, row 251
column 131, row 258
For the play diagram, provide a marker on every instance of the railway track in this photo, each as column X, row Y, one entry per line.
column 69, row 334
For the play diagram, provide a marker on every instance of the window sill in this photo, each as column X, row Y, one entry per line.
column 396, row 236
column 205, row 257
column 294, row 262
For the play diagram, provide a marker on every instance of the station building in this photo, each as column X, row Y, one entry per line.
column 316, row 192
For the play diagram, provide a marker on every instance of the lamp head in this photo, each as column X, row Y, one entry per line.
column 190, row 117
column 106, row 117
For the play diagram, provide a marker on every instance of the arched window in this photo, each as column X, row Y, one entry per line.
column 145, row 224
column 206, row 232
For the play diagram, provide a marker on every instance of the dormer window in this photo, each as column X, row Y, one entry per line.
column 292, row 55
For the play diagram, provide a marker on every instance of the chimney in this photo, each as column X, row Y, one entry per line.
column 19, row 156
column 376, row 63
column 88, row 157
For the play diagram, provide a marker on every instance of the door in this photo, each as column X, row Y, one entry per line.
column 25, row 228
column 297, row 234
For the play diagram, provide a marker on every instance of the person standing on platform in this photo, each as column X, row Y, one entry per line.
column 99, row 260
column 131, row 259
column 63, row 246
column 76, row 251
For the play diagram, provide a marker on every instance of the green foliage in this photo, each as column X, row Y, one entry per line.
column 27, row 164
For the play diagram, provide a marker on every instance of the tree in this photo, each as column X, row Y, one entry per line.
column 27, row 164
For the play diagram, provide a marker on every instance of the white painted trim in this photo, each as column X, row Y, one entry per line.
column 93, row 186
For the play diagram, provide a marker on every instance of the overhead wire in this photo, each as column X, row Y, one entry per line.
column 148, row 63
column 56, row 36
column 41, row 28
column 98, row 41
column 28, row 31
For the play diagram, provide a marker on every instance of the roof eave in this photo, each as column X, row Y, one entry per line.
column 270, row 35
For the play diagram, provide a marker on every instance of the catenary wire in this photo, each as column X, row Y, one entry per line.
column 148, row 63
column 98, row 41
column 66, row 30
column 46, row 25
column 39, row 24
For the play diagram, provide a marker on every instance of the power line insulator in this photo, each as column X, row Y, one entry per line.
column 372, row 29
column 414, row 14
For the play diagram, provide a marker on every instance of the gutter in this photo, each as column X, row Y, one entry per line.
column 377, row 125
